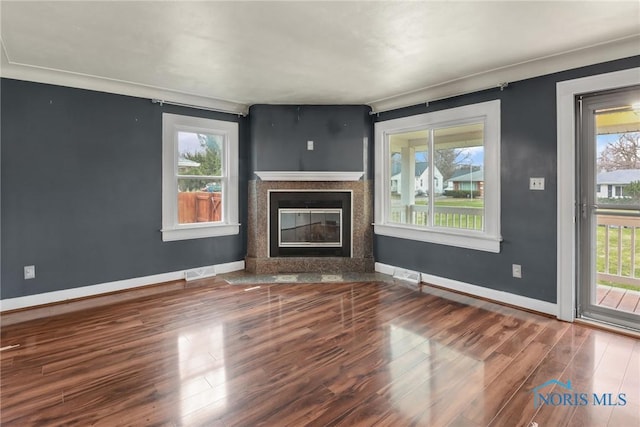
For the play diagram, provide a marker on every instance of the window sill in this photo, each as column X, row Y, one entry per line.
column 476, row 241
column 197, row 231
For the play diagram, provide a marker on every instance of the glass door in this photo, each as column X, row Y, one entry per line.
column 608, row 208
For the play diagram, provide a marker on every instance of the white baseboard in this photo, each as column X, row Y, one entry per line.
column 119, row 285
column 229, row 267
column 384, row 268
column 481, row 291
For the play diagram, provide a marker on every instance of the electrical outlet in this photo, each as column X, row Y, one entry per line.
column 516, row 270
column 29, row 271
column 310, row 145
column 536, row 183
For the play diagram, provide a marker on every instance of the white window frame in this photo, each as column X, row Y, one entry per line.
column 487, row 240
column 171, row 229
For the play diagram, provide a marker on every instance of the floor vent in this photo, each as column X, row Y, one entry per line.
column 406, row 275
column 199, row 273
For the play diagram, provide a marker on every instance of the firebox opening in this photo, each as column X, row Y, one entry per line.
column 309, row 227
column 310, row 224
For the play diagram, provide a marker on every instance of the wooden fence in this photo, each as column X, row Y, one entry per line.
column 199, row 206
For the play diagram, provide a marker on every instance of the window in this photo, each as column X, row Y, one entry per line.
column 200, row 178
column 458, row 150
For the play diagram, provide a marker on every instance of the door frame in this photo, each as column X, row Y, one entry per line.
column 566, row 92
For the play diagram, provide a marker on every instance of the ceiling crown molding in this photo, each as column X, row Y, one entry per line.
column 12, row 70
column 617, row 49
column 621, row 48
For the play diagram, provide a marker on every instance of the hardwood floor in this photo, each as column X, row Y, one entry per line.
column 313, row 354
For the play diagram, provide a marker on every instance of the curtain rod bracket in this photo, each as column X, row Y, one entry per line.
column 503, row 85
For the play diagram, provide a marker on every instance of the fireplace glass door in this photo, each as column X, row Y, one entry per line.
column 309, row 227
column 309, row 224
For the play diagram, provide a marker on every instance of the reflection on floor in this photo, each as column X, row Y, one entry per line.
column 334, row 353
column 242, row 278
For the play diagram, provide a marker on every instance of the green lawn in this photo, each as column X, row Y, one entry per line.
column 460, row 203
column 456, row 203
column 614, row 255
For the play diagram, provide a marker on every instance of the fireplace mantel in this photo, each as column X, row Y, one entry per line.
column 309, row 175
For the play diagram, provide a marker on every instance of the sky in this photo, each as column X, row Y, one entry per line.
column 603, row 140
column 188, row 143
column 473, row 154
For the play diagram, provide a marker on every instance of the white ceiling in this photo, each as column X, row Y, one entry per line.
column 233, row 54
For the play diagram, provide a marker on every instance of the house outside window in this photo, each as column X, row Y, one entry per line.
column 611, row 185
column 200, row 178
column 458, row 150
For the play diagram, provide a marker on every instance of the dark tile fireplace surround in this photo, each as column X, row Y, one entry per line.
column 355, row 256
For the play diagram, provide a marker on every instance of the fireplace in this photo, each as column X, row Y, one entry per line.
column 325, row 219
column 310, row 224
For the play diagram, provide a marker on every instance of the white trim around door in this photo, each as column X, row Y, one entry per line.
column 566, row 92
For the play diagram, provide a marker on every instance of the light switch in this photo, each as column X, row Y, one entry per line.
column 310, row 145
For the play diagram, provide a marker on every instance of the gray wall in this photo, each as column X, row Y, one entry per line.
column 82, row 192
column 279, row 135
column 528, row 217
column 81, row 184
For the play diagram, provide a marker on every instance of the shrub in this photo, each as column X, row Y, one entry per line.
column 460, row 194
